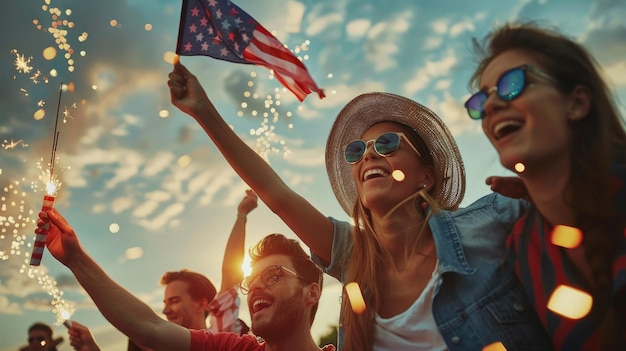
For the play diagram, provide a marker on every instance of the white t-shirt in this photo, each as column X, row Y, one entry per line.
column 414, row 329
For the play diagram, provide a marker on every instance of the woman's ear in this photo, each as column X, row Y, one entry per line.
column 428, row 177
column 579, row 103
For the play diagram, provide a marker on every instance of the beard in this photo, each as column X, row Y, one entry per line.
column 287, row 316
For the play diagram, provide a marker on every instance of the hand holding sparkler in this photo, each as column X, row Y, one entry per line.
column 52, row 187
column 40, row 239
column 81, row 338
column 62, row 241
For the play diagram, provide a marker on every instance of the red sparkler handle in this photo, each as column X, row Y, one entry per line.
column 40, row 239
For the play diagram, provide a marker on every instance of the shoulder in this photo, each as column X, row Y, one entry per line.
column 496, row 206
column 206, row 340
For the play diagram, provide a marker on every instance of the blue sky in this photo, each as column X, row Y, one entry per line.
column 127, row 158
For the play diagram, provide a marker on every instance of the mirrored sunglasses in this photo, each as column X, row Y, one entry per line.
column 510, row 85
column 384, row 145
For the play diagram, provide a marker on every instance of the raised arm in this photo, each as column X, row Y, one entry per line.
column 313, row 227
column 127, row 313
column 235, row 247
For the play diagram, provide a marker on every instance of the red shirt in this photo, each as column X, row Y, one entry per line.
column 207, row 341
column 542, row 266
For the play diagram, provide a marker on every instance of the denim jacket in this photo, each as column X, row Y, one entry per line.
column 478, row 299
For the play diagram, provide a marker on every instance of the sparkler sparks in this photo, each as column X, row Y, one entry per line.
column 15, row 218
column 271, row 110
column 22, row 63
column 66, row 112
column 13, row 144
column 60, row 307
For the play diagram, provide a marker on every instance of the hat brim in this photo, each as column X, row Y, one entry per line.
column 368, row 109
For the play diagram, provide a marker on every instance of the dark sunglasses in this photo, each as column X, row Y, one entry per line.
column 384, row 146
column 39, row 339
column 269, row 276
column 510, row 85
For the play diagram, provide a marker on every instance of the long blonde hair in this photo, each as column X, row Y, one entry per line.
column 366, row 255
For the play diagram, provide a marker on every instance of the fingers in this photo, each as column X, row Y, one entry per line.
column 489, row 180
column 52, row 217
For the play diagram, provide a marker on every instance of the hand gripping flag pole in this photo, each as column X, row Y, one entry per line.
column 221, row 30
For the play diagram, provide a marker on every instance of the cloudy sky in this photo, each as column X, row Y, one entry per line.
column 142, row 184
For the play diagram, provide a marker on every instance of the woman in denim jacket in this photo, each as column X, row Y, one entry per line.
column 460, row 293
column 544, row 104
column 412, row 260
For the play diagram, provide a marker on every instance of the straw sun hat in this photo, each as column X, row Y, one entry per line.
column 371, row 108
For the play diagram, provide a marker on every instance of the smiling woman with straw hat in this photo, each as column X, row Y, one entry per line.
column 432, row 277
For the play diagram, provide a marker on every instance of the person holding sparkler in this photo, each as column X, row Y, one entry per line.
column 283, row 295
column 190, row 297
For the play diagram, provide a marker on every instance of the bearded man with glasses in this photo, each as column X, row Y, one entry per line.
column 283, row 295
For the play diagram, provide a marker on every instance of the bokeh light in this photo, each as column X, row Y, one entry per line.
column 184, row 161
column 114, row 228
column 170, row 57
column 355, row 297
column 496, row 346
column 398, row 175
column 39, row 114
column 49, row 53
column 570, row 302
column 519, row 167
column 134, row 253
column 566, row 236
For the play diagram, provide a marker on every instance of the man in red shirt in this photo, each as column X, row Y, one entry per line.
column 283, row 294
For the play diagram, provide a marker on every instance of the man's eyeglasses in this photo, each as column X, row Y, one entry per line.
column 39, row 339
column 510, row 85
column 269, row 276
column 384, row 145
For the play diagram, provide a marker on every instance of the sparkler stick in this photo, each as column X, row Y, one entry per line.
column 52, row 186
column 40, row 239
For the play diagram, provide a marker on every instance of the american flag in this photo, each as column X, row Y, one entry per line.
column 220, row 29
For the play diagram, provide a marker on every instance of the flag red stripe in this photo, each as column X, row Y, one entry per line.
column 267, row 43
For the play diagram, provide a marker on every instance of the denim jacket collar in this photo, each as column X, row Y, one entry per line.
column 448, row 245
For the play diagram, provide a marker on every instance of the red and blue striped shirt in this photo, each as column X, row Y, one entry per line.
column 542, row 266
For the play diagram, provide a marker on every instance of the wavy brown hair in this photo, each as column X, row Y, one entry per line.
column 367, row 256
column 598, row 141
column 278, row 244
